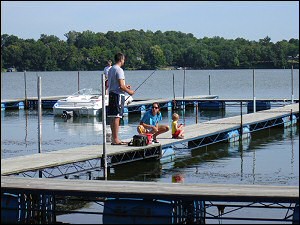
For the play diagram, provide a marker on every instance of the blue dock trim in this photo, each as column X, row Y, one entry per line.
column 210, row 102
column 260, row 105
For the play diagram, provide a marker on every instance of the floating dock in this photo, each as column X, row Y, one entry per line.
column 23, row 197
column 140, row 105
column 131, row 201
column 196, row 135
column 131, row 189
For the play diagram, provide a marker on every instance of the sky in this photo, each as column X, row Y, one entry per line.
column 251, row 20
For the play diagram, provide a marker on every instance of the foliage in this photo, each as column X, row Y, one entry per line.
column 144, row 50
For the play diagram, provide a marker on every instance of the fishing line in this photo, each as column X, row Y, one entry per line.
column 142, row 83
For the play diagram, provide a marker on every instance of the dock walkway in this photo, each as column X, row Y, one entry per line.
column 193, row 132
column 136, row 105
column 134, row 189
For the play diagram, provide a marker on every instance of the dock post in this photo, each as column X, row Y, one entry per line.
column 104, row 127
column 26, row 102
column 183, row 89
column 254, row 98
column 78, row 81
column 209, row 84
column 241, row 132
column 39, row 88
column 196, row 112
column 292, row 84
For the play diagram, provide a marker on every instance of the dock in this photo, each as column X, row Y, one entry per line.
column 140, row 105
column 23, row 197
column 196, row 135
column 47, row 102
column 131, row 201
column 134, row 189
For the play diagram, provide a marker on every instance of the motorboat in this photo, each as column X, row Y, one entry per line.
column 85, row 102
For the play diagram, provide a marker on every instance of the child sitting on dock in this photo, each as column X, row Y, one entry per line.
column 177, row 129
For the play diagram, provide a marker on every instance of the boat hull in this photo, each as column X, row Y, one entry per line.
column 84, row 111
column 86, row 102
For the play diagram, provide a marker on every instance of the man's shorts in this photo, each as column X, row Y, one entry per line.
column 116, row 105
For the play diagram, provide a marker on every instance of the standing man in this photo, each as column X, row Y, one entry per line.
column 117, row 89
column 106, row 69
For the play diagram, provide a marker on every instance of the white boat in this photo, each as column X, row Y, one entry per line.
column 85, row 102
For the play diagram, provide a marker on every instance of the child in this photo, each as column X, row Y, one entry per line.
column 177, row 129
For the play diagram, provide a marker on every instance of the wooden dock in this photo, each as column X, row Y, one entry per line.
column 192, row 132
column 133, row 189
column 49, row 101
column 179, row 195
column 196, row 97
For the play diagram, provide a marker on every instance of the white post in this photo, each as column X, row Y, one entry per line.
column 104, row 127
column 209, row 84
column 254, row 98
column 39, row 88
column 183, row 89
column 26, row 102
column 292, row 80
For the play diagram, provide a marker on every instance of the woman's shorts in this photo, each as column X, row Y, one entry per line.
column 116, row 105
column 142, row 130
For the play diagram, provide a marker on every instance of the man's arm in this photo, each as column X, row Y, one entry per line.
column 124, row 87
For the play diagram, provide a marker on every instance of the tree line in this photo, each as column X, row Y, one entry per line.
column 89, row 51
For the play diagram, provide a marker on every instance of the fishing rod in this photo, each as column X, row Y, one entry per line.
column 142, row 83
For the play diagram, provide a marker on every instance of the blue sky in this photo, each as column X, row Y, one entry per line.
column 228, row 19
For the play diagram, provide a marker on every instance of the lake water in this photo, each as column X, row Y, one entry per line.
column 270, row 157
column 224, row 83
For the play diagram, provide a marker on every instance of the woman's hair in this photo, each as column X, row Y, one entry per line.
column 175, row 116
column 156, row 103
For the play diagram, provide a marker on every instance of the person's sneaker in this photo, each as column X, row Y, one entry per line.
column 155, row 141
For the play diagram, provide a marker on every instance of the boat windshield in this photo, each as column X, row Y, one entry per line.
column 87, row 91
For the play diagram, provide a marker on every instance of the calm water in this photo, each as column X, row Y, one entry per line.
column 224, row 83
column 270, row 157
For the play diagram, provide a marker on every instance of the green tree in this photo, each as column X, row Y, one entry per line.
column 156, row 57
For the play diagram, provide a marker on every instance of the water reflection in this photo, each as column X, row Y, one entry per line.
column 27, row 208
column 51, row 209
column 76, row 125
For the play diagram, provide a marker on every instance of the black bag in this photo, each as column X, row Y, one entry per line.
column 139, row 140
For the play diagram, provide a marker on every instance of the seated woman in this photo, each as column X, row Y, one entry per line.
column 149, row 123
